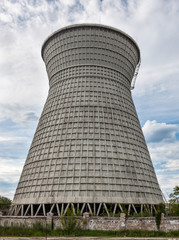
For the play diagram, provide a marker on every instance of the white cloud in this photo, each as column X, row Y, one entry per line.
column 8, row 194
column 167, row 183
column 166, row 154
column 6, row 18
column 10, row 172
column 9, row 175
column 22, row 68
column 4, row 139
column 164, row 150
column 165, row 157
column 156, row 132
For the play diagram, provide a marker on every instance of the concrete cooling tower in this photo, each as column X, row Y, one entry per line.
column 88, row 152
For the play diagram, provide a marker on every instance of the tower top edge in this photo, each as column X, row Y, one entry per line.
column 88, row 25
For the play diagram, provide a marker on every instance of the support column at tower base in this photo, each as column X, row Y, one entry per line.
column 94, row 209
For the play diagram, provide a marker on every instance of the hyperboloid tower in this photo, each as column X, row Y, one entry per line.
column 88, row 152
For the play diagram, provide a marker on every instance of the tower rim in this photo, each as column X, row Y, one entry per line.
column 89, row 25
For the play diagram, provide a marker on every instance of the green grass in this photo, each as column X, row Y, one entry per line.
column 40, row 231
column 122, row 233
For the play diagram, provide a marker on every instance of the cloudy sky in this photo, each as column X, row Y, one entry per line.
column 24, row 25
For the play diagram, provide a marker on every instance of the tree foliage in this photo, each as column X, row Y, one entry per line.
column 4, row 202
column 174, row 197
column 158, row 214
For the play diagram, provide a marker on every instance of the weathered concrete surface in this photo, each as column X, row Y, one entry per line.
column 143, row 223
column 18, row 220
column 97, row 223
column 88, row 145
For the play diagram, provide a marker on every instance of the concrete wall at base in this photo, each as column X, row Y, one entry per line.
column 167, row 224
column 18, row 220
column 98, row 223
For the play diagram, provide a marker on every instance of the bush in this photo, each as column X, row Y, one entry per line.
column 142, row 214
column 5, row 203
column 69, row 223
column 39, row 231
column 161, row 207
column 173, row 209
column 38, row 226
column 158, row 214
column 174, row 197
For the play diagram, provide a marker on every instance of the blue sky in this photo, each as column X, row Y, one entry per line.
column 25, row 24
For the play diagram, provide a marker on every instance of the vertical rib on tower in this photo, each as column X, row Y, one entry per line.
column 88, row 149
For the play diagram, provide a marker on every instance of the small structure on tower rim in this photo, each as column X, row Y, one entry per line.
column 88, row 151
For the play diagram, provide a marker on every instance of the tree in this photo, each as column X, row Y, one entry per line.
column 174, row 197
column 158, row 214
column 174, row 201
column 4, row 202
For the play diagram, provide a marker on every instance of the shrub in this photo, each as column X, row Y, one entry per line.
column 174, row 197
column 69, row 223
column 5, row 204
column 161, row 207
column 174, row 209
column 158, row 214
column 26, row 232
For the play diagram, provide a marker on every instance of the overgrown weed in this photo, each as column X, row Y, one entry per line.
column 24, row 231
